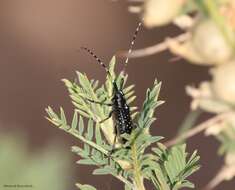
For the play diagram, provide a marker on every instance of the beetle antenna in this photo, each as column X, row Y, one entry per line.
column 97, row 59
column 132, row 42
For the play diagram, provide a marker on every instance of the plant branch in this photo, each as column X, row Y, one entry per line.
column 137, row 177
column 138, row 1
column 215, row 181
column 219, row 178
column 199, row 128
column 91, row 143
column 153, row 49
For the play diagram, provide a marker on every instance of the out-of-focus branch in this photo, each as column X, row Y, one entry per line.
column 215, row 181
column 138, row 1
column 153, row 49
column 225, row 173
column 134, row 9
column 199, row 128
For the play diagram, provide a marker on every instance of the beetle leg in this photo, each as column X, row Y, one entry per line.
column 101, row 103
column 114, row 141
column 110, row 115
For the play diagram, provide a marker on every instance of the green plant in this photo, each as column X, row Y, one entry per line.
column 132, row 162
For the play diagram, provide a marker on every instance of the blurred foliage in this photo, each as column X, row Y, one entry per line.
column 207, row 39
column 45, row 169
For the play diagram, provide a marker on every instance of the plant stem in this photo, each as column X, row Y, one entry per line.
column 199, row 128
column 138, row 179
column 91, row 143
column 215, row 181
column 162, row 46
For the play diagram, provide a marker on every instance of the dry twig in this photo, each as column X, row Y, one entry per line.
column 155, row 48
column 199, row 128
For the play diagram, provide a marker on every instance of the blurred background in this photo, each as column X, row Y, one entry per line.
column 39, row 46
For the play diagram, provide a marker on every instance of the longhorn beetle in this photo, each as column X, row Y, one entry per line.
column 120, row 108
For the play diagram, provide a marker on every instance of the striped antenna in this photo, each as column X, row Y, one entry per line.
column 97, row 59
column 132, row 42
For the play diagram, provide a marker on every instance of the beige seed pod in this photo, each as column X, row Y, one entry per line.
column 210, row 43
column 223, row 82
column 160, row 12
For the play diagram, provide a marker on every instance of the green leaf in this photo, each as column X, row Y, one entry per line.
column 103, row 171
column 79, row 151
column 85, row 187
column 63, row 120
column 86, row 162
column 81, row 126
column 62, row 116
column 176, row 162
column 90, row 130
column 127, row 187
column 82, row 113
column 128, row 89
column 150, row 103
column 158, row 179
column 131, row 99
column 184, row 184
column 74, row 121
column 51, row 113
column 98, row 136
column 129, row 94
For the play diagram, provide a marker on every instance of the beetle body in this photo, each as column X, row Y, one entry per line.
column 120, row 108
column 121, row 111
